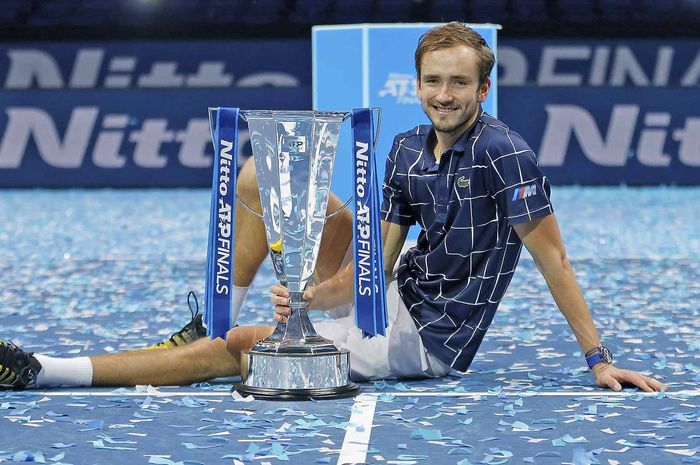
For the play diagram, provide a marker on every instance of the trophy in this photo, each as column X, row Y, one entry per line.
column 294, row 154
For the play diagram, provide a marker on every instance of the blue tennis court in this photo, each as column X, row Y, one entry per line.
column 100, row 271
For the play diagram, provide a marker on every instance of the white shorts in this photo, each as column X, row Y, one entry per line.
column 399, row 354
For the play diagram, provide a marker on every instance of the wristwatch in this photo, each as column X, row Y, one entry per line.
column 598, row 355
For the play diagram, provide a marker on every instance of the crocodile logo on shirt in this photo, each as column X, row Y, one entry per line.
column 463, row 182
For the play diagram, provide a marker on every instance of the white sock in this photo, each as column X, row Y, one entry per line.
column 237, row 300
column 64, row 371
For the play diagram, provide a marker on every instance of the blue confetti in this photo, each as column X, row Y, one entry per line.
column 427, row 434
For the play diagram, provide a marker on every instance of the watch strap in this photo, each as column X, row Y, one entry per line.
column 598, row 355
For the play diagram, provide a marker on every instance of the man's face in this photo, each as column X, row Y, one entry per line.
column 449, row 89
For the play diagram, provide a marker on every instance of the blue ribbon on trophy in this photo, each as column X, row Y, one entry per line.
column 219, row 273
column 370, row 288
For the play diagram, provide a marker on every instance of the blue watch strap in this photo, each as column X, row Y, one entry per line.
column 594, row 359
column 601, row 355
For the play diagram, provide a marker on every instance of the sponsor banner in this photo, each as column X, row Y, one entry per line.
column 129, row 114
column 184, row 65
column 590, row 63
column 626, row 135
column 130, row 138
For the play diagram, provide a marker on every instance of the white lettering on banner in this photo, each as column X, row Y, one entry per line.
column 148, row 140
column 68, row 151
column 223, row 233
column 210, row 74
column 550, row 56
column 109, row 142
column 401, row 86
column 689, row 139
column 35, row 68
column 364, row 263
column 162, row 74
column 24, row 123
column 607, row 66
column 268, row 79
column 194, row 141
column 86, row 69
column 614, row 149
column 512, row 67
column 361, row 168
column 29, row 65
column 692, row 76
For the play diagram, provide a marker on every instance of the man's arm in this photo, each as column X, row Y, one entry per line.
column 339, row 289
column 394, row 237
column 543, row 241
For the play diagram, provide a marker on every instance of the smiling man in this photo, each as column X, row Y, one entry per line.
column 475, row 189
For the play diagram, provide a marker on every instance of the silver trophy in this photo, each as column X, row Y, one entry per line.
column 294, row 153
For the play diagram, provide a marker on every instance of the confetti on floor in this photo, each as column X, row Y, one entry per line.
column 110, row 270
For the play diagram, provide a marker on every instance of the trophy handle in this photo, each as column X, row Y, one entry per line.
column 248, row 207
column 259, row 215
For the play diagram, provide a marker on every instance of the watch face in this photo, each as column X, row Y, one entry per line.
column 606, row 354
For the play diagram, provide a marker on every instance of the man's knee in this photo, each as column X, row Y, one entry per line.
column 243, row 338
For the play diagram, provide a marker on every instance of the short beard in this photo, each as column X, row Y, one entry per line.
column 445, row 127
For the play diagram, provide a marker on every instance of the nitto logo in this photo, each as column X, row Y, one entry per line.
column 524, row 192
column 118, row 139
column 34, row 68
column 614, row 147
column 401, row 86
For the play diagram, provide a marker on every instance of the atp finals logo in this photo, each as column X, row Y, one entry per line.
column 401, row 86
column 524, row 192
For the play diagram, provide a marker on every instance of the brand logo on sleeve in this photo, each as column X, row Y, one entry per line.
column 463, row 182
column 524, row 192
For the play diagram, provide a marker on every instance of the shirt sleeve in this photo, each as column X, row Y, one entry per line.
column 395, row 206
column 520, row 188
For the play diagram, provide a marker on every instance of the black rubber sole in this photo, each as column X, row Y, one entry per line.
column 349, row 390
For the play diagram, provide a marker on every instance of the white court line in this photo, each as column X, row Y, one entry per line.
column 154, row 393
column 359, row 430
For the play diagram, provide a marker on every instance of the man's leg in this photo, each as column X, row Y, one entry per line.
column 204, row 359
column 200, row 361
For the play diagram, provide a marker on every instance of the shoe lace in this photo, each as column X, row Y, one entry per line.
column 194, row 313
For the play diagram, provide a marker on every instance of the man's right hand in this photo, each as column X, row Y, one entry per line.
column 279, row 296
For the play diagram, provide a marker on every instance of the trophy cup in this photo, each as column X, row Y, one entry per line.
column 294, row 154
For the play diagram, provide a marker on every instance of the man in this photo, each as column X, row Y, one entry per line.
column 475, row 189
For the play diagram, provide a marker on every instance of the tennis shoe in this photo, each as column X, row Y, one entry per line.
column 18, row 369
column 192, row 331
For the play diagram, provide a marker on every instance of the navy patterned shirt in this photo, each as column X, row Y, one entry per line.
column 454, row 278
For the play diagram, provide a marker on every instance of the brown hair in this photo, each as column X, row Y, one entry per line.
column 455, row 34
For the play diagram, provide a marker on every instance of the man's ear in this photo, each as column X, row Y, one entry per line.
column 484, row 90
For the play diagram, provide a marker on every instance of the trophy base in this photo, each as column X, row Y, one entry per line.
column 350, row 390
column 301, row 376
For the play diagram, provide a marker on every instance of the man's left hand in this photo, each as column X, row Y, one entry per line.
column 612, row 377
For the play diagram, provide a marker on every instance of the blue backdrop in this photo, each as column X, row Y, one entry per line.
column 135, row 114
